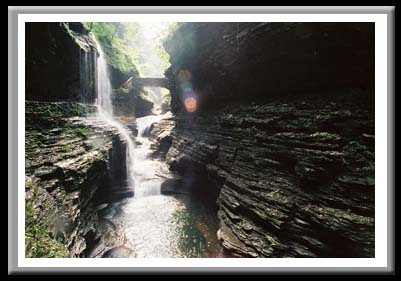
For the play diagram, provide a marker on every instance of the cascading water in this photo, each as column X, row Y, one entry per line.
column 105, row 111
column 140, row 171
column 144, row 171
column 154, row 225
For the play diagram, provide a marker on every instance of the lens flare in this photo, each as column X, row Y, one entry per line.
column 186, row 85
column 184, row 75
column 188, row 92
column 189, row 97
column 191, row 104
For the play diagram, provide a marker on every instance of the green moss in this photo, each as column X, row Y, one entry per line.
column 79, row 131
column 38, row 242
column 112, row 44
column 32, row 143
column 40, row 245
column 66, row 149
column 54, row 112
column 85, row 132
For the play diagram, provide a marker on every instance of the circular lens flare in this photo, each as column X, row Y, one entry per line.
column 191, row 104
column 184, row 75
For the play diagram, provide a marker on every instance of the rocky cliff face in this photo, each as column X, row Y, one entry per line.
column 254, row 61
column 129, row 102
column 75, row 166
column 61, row 65
column 61, row 61
column 282, row 133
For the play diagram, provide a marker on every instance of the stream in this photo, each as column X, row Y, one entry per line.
column 154, row 225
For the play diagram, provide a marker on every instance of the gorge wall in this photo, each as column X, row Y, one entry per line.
column 282, row 132
column 60, row 62
column 74, row 163
column 74, row 167
column 61, row 65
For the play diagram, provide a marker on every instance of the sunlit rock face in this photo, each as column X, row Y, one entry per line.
column 283, row 132
column 60, row 63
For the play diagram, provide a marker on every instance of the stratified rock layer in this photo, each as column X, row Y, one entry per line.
column 72, row 161
column 283, row 132
column 296, row 178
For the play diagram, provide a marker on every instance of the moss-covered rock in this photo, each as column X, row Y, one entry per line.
column 72, row 160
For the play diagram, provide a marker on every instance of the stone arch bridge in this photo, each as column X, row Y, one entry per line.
column 147, row 82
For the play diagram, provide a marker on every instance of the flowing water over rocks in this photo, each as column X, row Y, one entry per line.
column 269, row 150
column 154, row 225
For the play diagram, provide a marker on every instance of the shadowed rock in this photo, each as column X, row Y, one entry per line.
column 283, row 131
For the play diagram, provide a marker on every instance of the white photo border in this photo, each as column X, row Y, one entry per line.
column 381, row 133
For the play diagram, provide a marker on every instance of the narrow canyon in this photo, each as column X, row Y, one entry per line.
column 216, row 140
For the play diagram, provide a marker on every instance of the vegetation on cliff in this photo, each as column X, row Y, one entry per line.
column 133, row 50
column 126, row 45
column 279, row 141
column 38, row 241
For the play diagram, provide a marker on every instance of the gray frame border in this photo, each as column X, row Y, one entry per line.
column 13, row 12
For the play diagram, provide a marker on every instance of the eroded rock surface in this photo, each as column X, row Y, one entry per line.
column 283, row 132
column 291, row 184
column 69, row 168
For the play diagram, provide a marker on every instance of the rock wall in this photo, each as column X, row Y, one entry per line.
column 60, row 64
column 283, row 131
column 129, row 102
column 256, row 61
column 74, row 167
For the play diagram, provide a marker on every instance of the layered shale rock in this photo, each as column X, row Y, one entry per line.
column 74, row 165
column 283, row 132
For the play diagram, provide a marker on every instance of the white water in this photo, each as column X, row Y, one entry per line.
column 105, row 110
column 154, row 225
column 144, row 171
column 140, row 170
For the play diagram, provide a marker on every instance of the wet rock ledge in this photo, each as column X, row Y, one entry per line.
column 69, row 171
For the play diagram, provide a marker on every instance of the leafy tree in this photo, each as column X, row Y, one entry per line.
column 126, row 45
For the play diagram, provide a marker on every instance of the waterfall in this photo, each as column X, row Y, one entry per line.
column 140, row 169
column 105, row 111
column 153, row 225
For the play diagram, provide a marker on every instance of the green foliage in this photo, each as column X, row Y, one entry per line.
column 109, row 36
column 78, row 131
column 166, row 97
column 40, row 245
column 66, row 149
column 38, row 242
column 127, row 47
